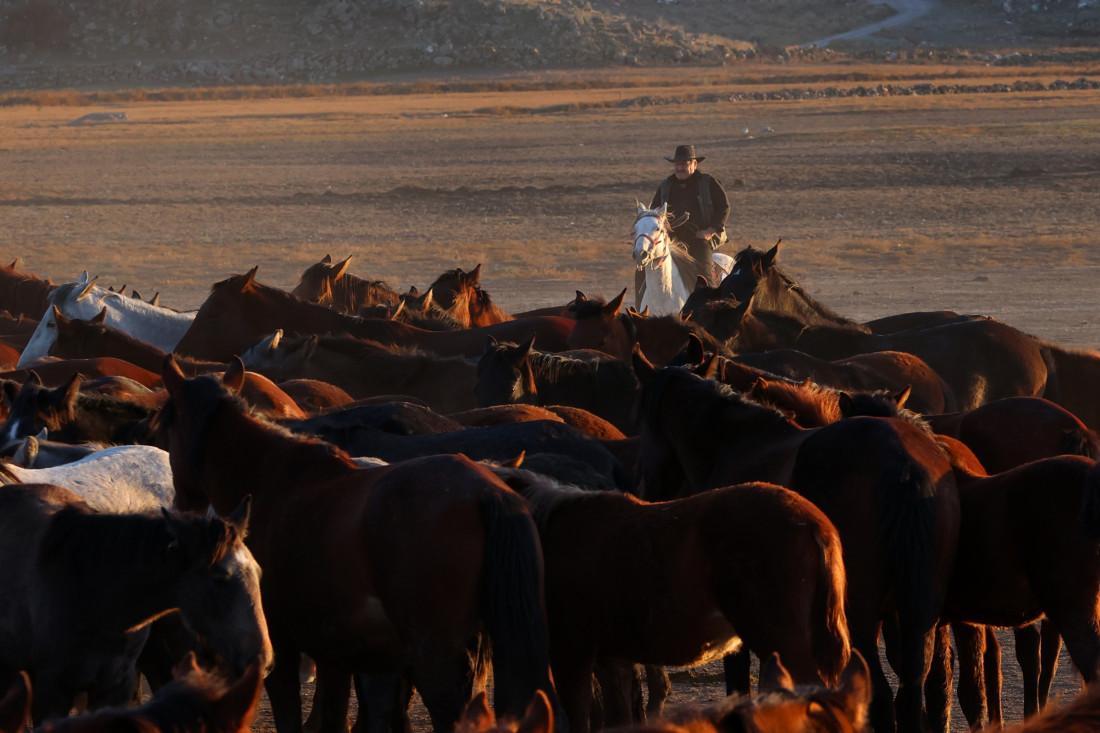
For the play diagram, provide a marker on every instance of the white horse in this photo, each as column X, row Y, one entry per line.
column 159, row 326
column 655, row 253
column 122, row 479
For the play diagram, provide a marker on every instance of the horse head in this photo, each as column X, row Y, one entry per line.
column 504, row 374
column 651, row 234
column 750, row 266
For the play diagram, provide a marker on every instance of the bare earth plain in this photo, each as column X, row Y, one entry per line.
column 980, row 203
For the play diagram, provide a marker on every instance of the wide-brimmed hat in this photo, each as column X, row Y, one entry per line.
column 685, row 152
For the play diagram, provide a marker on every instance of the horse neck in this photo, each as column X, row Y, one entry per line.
column 484, row 312
column 76, row 342
column 812, row 407
column 664, row 289
column 776, row 291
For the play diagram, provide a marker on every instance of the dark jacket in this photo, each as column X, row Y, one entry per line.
column 683, row 196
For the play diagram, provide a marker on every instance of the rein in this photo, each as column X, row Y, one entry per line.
column 657, row 263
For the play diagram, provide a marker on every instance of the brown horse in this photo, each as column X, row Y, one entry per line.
column 196, row 702
column 385, row 570
column 331, row 285
column 1075, row 381
column 666, row 583
column 884, row 483
column 23, row 293
column 240, row 311
column 460, row 295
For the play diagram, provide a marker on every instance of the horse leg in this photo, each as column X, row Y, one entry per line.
column 333, row 693
column 916, row 642
column 621, row 692
column 970, row 641
column 993, row 678
column 573, row 681
column 383, row 703
column 1028, row 647
column 283, row 690
column 1049, row 647
column 444, row 678
column 659, row 687
column 865, row 639
column 1081, row 634
column 737, row 667
column 937, row 686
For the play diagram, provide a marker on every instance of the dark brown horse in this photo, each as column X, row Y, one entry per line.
column 196, row 702
column 460, row 295
column 884, row 483
column 240, row 311
column 395, row 569
column 1075, row 381
column 666, row 583
column 331, row 285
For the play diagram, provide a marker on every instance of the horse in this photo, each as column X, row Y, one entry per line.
column 1075, row 374
column 23, row 293
column 367, row 368
column 198, row 701
column 509, row 373
column 656, row 253
column 604, row 327
column 459, row 294
column 884, row 483
column 665, row 583
column 240, row 311
column 95, row 582
column 128, row 478
column 55, row 373
column 38, row 451
column 406, row 563
column 333, row 286
column 781, row 706
column 162, row 327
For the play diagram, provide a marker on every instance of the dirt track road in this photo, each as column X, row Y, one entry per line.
column 907, row 11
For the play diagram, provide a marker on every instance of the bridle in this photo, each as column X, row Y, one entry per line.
column 663, row 233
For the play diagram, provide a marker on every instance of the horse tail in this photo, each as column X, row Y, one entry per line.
column 906, row 500
column 1090, row 503
column 513, row 607
column 831, row 645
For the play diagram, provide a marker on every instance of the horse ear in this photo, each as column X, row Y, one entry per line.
column 710, row 369
column 903, row 396
column 643, row 368
column 236, row 709
column 426, row 303
column 341, row 269
column 641, row 210
column 491, row 343
column 525, row 348
column 615, row 305
column 769, row 257
column 70, row 391
column 663, row 209
column 581, row 298
column 187, row 666
column 98, row 319
column 172, row 376
column 58, row 316
column 233, row 378
column 645, row 312
column 33, row 378
column 696, row 352
column 122, row 290
column 474, row 275
column 855, row 688
column 249, row 278
column 539, row 717
column 759, row 389
column 413, row 290
column 845, row 403
column 239, row 516
column 15, row 707
column 774, row 676
column 398, row 310
column 327, row 259
column 135, row 295
column 701, row 282
column 87, row 289
column 514, row 462
column 155, row 300
column 477, row 716
column 9, row 391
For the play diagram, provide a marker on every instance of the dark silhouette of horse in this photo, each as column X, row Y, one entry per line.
column 331, row 285
column 93, row 583
column 240, row 311
column 510, row 373
column 665, row 583
column 1074, row 380
column 884, row 483
column 196, row 702
column 365, row 368
column 407, row 564
column 460, row 295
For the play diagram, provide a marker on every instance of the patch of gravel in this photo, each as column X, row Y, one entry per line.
column 157, row 43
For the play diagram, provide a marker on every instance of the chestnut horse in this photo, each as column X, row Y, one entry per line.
column 390, row 569
column 240, row 311
column 23, row 293
column 884, row 483
column 665, row 583
column 331, row 285
column 459, row 294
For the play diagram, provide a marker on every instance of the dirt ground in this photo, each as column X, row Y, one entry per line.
column 981, row 203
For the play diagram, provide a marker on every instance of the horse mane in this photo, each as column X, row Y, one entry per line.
column 705, row 399
column 85, row 542
column 552, row 367
column 543, row 493
column 349, row 293
column 25, row 292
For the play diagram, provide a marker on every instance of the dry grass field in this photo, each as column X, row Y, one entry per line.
column 981, row 203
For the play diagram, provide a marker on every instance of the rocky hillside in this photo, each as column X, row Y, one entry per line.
column 156, row 43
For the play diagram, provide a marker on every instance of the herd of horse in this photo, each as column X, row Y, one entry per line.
column 420, row 491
